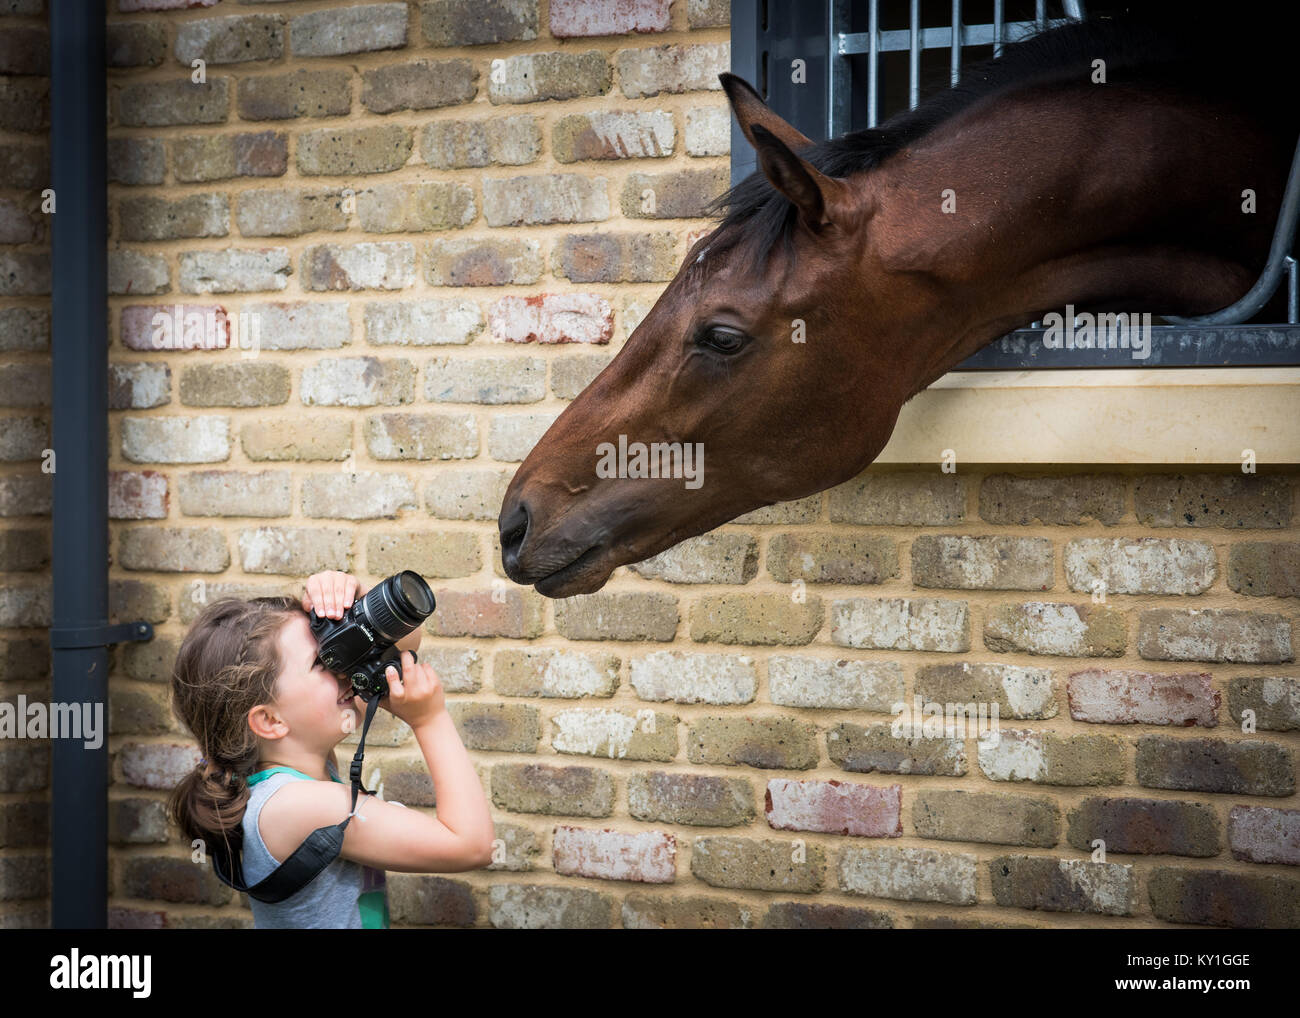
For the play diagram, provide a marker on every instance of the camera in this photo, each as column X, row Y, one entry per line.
column 360, row 645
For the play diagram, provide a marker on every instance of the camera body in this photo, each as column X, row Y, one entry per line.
column 361, row 644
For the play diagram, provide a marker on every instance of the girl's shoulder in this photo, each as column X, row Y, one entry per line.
column 295, row 805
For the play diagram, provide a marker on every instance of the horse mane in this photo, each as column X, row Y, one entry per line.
column 1196, row 47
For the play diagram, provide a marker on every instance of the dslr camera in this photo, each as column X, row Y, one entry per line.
column 360, row 645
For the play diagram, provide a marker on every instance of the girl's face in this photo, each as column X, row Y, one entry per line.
column 313, row 701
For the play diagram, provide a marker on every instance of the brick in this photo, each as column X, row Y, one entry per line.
column 835, row 807
column 1220, row 898
column 600, row 134
column 497, row 141
column 900, row 500
column 578, row 18
column 551, row 672
column 25, row 51
column 25, row 605
column 365, row 495
column 477, row 22
column 645, row 735
column 1275, row 701
column 1056, row 501
column 519, row 848
column 25, row 329
column 24, row 825
column 751, row 864
column 674, row 194
column 1066, row 630
column 627, row 616
column 1264, row 569
column 1019, row 692
column 1209, row 634
column 535, row 907
column 836, row 684
column 1143, row 565
column 338, row 30
column 982, row 563
column 570, row 375
column 919, row 623
column 277, row 212
column 471, row 261
column 517, row 613
column 552, row 318
column 137, row 821
column 697, row 800
column 615, row 258
column 783, row 743
column 27, row 274
column 301, row 93
column 492, row 381
column 25, row 768
column 198, row 593
column 1264, row 834
column 796, row 915
column 831, row 558
column 24, row 877
column 280, row 440
column 421, row 436
column 179, row 327
column 466, row 494
column 230, row 40
column 671, row 69
column 1063, row 885
column 422, row 323
column 459, row 669
column 708, row 131
column 27, row 659
column 24, row 549
column 708, row 558
column 986, row 817
column 24, row 438
column 432, row 554
column 136, row 161
column 558, row 791
column 384, row 266
column 176, row 440
column 545, row 198
column 511, row 437
column 759, row 619
column 136, row 919
column 137, row 712
column 168, row 103
column 532, row 77
column 233, row 271
column 18, row 225
column 708, row 13
column 235, row 493
column 1107, row 697
column 1243, row 767
column 295, row 551
column 410, row 208
column 137, row 495
column 305, row 325
column 332, row 151
column 648, row 857
column 1049, row 758
column 163, row 878
column 430, row 901
column 157, row 765
column 657, row 912
column 1236, row 501
column 235, row 385
column 419, row 85
column 358, row 381
column 908, row 874
column 694, row 678
column 200, row 158
column 139, row 386
column 497, row 727
column 877, row 748
column 1145, row 826
column 173, row 550
column 137, row 273
column 150, row 660
column 135, row 599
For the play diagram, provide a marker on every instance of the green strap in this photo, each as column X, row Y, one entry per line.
column 253, row 779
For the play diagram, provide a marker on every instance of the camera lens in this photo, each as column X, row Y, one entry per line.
column 397, row 605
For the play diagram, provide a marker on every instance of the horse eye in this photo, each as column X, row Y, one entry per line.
column 722, row 340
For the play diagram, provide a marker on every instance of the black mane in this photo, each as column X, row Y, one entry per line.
column 1218, row 52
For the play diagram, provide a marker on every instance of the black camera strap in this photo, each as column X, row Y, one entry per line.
column 320, row 849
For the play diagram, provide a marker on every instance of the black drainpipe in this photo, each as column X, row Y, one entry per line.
column 80, row 634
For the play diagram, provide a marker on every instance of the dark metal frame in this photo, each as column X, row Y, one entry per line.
column 828, row 37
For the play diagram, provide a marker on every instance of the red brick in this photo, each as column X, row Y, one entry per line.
column 835, row 807
column 1117, row 697
column 644, row 856
column 137, row 495
column 209, row 331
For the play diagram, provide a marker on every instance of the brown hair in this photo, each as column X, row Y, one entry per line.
column 227, row 664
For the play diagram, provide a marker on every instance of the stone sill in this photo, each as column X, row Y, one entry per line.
column 1175, row 416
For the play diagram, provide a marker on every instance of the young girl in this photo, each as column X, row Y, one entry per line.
column 267, row 715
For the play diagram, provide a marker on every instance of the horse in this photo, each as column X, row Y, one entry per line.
column 1100, row 164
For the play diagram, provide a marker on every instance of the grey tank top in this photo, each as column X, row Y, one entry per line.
column 344, row 895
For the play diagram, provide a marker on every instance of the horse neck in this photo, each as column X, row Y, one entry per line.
column 1101, row 196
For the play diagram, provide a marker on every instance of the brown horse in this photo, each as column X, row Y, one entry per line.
column 769, row 371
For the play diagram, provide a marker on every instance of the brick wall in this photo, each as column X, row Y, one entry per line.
column 433, row 210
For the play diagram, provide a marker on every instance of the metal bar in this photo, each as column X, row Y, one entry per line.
column 997, row 28
column 1259, row 294
column 1292, row 292
column 939, row 37
column 1040, row 14
column 79, row 294
column 873, row 62
column 954, row 65
column 914, row 55
column 1073, row 9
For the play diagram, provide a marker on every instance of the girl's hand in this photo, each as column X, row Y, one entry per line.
column 416, row 696
column 330, row 593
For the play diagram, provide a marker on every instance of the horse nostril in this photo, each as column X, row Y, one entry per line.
column 514, row 528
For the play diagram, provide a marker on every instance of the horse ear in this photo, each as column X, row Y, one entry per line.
column 749, row 108
column 817, row 196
